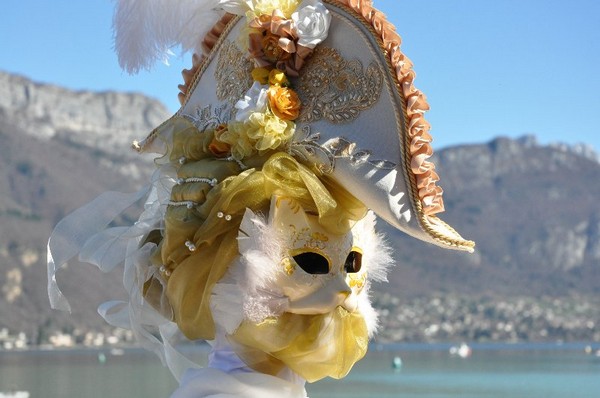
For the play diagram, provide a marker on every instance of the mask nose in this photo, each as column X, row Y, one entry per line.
column 349, row 300
column 340, row 284
column 333, row 293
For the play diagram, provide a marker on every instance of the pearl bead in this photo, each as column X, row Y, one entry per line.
column 190, row 245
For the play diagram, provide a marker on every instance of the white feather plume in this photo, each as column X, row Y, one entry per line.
column 249, row 289
column 261, row 249
column 377, row 253
column 148, row 30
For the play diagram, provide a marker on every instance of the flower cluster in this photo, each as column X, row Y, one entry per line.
column 281, row 35
column 285, row 40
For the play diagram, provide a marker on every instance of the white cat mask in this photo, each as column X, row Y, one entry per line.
column 290, row 263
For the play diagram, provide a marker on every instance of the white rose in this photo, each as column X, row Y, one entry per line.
column 255, row 100
column 312, row 22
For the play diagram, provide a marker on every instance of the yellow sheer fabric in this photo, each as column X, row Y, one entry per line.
column 313, row 346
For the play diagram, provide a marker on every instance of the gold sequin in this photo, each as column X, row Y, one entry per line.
column 288, row 266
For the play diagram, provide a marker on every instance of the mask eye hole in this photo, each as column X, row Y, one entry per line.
column 353, row 262
column 312, row 263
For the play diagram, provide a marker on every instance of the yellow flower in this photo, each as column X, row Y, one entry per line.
column 287, row 7
column 237, row 138
column 261, row 75
column 242, row 40
column 268, row 131
column 284, row 102
column 260, row 132
column 278, row 78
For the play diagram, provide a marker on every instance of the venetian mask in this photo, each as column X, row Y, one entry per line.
column 318, row 271
column 298, row 294
column 291, row 263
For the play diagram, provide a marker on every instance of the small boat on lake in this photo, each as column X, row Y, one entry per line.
column 397, row 363
column 463, row 350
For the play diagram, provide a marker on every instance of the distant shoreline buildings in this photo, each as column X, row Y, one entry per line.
column 442, row 319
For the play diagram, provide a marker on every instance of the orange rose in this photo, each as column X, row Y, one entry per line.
column 284, row 102
column 219, row 148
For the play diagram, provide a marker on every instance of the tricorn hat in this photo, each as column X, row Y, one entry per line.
column 323, row 80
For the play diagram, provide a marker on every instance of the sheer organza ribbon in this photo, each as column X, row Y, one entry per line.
column 86, row 233
column 83, row 228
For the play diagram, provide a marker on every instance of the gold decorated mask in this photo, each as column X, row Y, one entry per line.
column 298, row 294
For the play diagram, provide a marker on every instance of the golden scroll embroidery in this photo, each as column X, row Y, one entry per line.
column 336, row 89
column 233, row 73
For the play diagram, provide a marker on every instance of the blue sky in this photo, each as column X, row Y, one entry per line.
column 488, row 68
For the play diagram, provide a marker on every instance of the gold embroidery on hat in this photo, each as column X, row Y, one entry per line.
column 308, row 148
column 340, row 147
column 209, row 118
column 336, row 89
column 233, row 73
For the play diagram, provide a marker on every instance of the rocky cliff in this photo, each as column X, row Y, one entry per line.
column 532, row 209
column 107, row 121
column 58, row 150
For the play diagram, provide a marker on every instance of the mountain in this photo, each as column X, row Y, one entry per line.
column 58, row 150
column 532, row 209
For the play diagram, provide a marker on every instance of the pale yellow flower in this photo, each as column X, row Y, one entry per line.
column 267, row 131
column 287, row 7
column 242, row 41
column 263, row 131
column 237, row 138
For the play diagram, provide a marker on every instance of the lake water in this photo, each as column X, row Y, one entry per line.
column 532, row 371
